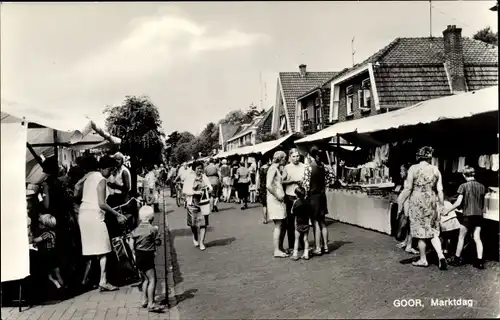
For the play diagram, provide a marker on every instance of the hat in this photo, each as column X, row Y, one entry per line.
column 425, row 153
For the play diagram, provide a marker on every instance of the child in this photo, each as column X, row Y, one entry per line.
column 471, row 197
column 253, row 193
column 449, row 226
column 301, row 210
column 144, row 240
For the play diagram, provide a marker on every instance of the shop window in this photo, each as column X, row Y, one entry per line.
column 349, row 99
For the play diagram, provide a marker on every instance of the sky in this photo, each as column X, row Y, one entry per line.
column 198, row 61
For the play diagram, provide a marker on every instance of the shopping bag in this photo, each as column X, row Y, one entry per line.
column 205, row 209
column 403, row 227
column 205, row 197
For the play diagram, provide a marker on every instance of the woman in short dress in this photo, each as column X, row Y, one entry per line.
column 196, row 186
column 93, row 230
column 276, row 209
column 424, row 188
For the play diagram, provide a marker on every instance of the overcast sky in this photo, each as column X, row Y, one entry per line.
column 197, row 61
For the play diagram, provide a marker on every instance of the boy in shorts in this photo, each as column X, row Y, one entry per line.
column 144, row 240
column 471, row 197
column 301, row 210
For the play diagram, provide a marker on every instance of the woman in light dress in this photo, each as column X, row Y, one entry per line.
column 197, row 189
column 93, row 230
column 276, row 209
column 424, row 188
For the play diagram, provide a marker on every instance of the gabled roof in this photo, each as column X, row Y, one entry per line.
column 294, row 85
column 249, row 127
column 429, row 51
column 228, row 130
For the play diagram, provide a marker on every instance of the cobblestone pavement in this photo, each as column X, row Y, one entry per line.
column 237, row 277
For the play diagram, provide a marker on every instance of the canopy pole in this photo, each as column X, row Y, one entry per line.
column 36, row 156
column 337, row 156
column 56, row 149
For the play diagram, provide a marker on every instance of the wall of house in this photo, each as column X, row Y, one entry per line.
column 357, row 113
column 248, row 138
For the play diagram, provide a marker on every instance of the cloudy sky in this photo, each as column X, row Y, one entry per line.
column 197, row 61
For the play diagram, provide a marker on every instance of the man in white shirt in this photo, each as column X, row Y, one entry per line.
column 292, row 176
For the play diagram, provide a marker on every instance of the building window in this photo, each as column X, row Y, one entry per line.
column 282, row 123
column 349, row 96
column 305, row 115
column 365, row 96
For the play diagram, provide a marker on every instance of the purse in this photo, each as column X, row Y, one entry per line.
column 403, row 227
column 205, row 197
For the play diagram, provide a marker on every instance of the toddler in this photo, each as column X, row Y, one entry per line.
column 301, row 210
column 144, row 240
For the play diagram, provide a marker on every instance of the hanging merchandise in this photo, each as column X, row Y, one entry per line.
column 461, row 164
column 481, row 162
column 454, row 165
column 487, row 162
column 494, row 162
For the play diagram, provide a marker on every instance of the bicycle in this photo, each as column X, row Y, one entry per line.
column 179, row 199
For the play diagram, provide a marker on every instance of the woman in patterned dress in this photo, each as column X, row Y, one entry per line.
column 276, row 209
column 424, row 188
column 194, row 187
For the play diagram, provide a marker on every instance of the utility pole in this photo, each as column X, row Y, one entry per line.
column 260, row 80
column 430, row 18
column 353, row 52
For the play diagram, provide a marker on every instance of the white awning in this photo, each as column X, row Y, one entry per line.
column 262, row 148
column 457, row 106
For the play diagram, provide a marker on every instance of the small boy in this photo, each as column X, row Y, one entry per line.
column 144, row 240
column 450, row 227
column 301, row 209
column 471, row 197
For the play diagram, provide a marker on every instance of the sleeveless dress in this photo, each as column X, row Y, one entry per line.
column 276, row 210
column 423, row 202
column 93, row 230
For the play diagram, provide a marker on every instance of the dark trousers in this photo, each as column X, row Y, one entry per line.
column 288, row 224
column 243, row 192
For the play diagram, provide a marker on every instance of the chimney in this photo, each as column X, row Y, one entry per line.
column 454, row 58
column 303, row 70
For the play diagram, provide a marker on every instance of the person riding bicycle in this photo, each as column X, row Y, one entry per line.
column 184, row 171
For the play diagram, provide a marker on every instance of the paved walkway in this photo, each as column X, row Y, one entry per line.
column 237, row 277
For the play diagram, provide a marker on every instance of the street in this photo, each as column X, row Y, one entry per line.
column 237, row 277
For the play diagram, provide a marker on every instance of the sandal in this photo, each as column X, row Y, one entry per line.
column 420, row 263
column 156, row 309
column 412, row 251
column 318, row 252
column 107, row 287
column 281, row 255
column 305, row 257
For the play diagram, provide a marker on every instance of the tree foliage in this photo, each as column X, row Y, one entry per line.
column 242, row 117
column 267, row 137
column 137, row 122
column 486, row 35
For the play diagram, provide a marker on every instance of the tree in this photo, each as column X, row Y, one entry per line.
column 234, row 117
column 486, row 35
column 184, row 146
column 137, row 122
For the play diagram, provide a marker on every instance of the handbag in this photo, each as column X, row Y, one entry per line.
column 403, row 227
column 205, row 197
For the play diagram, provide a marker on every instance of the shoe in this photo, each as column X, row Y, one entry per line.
column 107, row 287
column 326, row 250
column 318, row 252
column 196, row 243
column 455, row 261
column 442, row 264
column 305, row 257
column 202, row 247
column 479, row 264
column 295, row 258
column 216, row 209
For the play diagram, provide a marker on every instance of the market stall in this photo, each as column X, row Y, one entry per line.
column 367, row 190
column 33, row 129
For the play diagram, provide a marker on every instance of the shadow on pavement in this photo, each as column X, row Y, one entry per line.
column 220, row 242
column 336, row 245
column 177, row 274
column 188, row 294
column 226, row 209
column 186, row 232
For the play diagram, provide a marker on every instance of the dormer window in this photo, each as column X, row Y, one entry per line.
column 365, row 96
column 349, row 98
